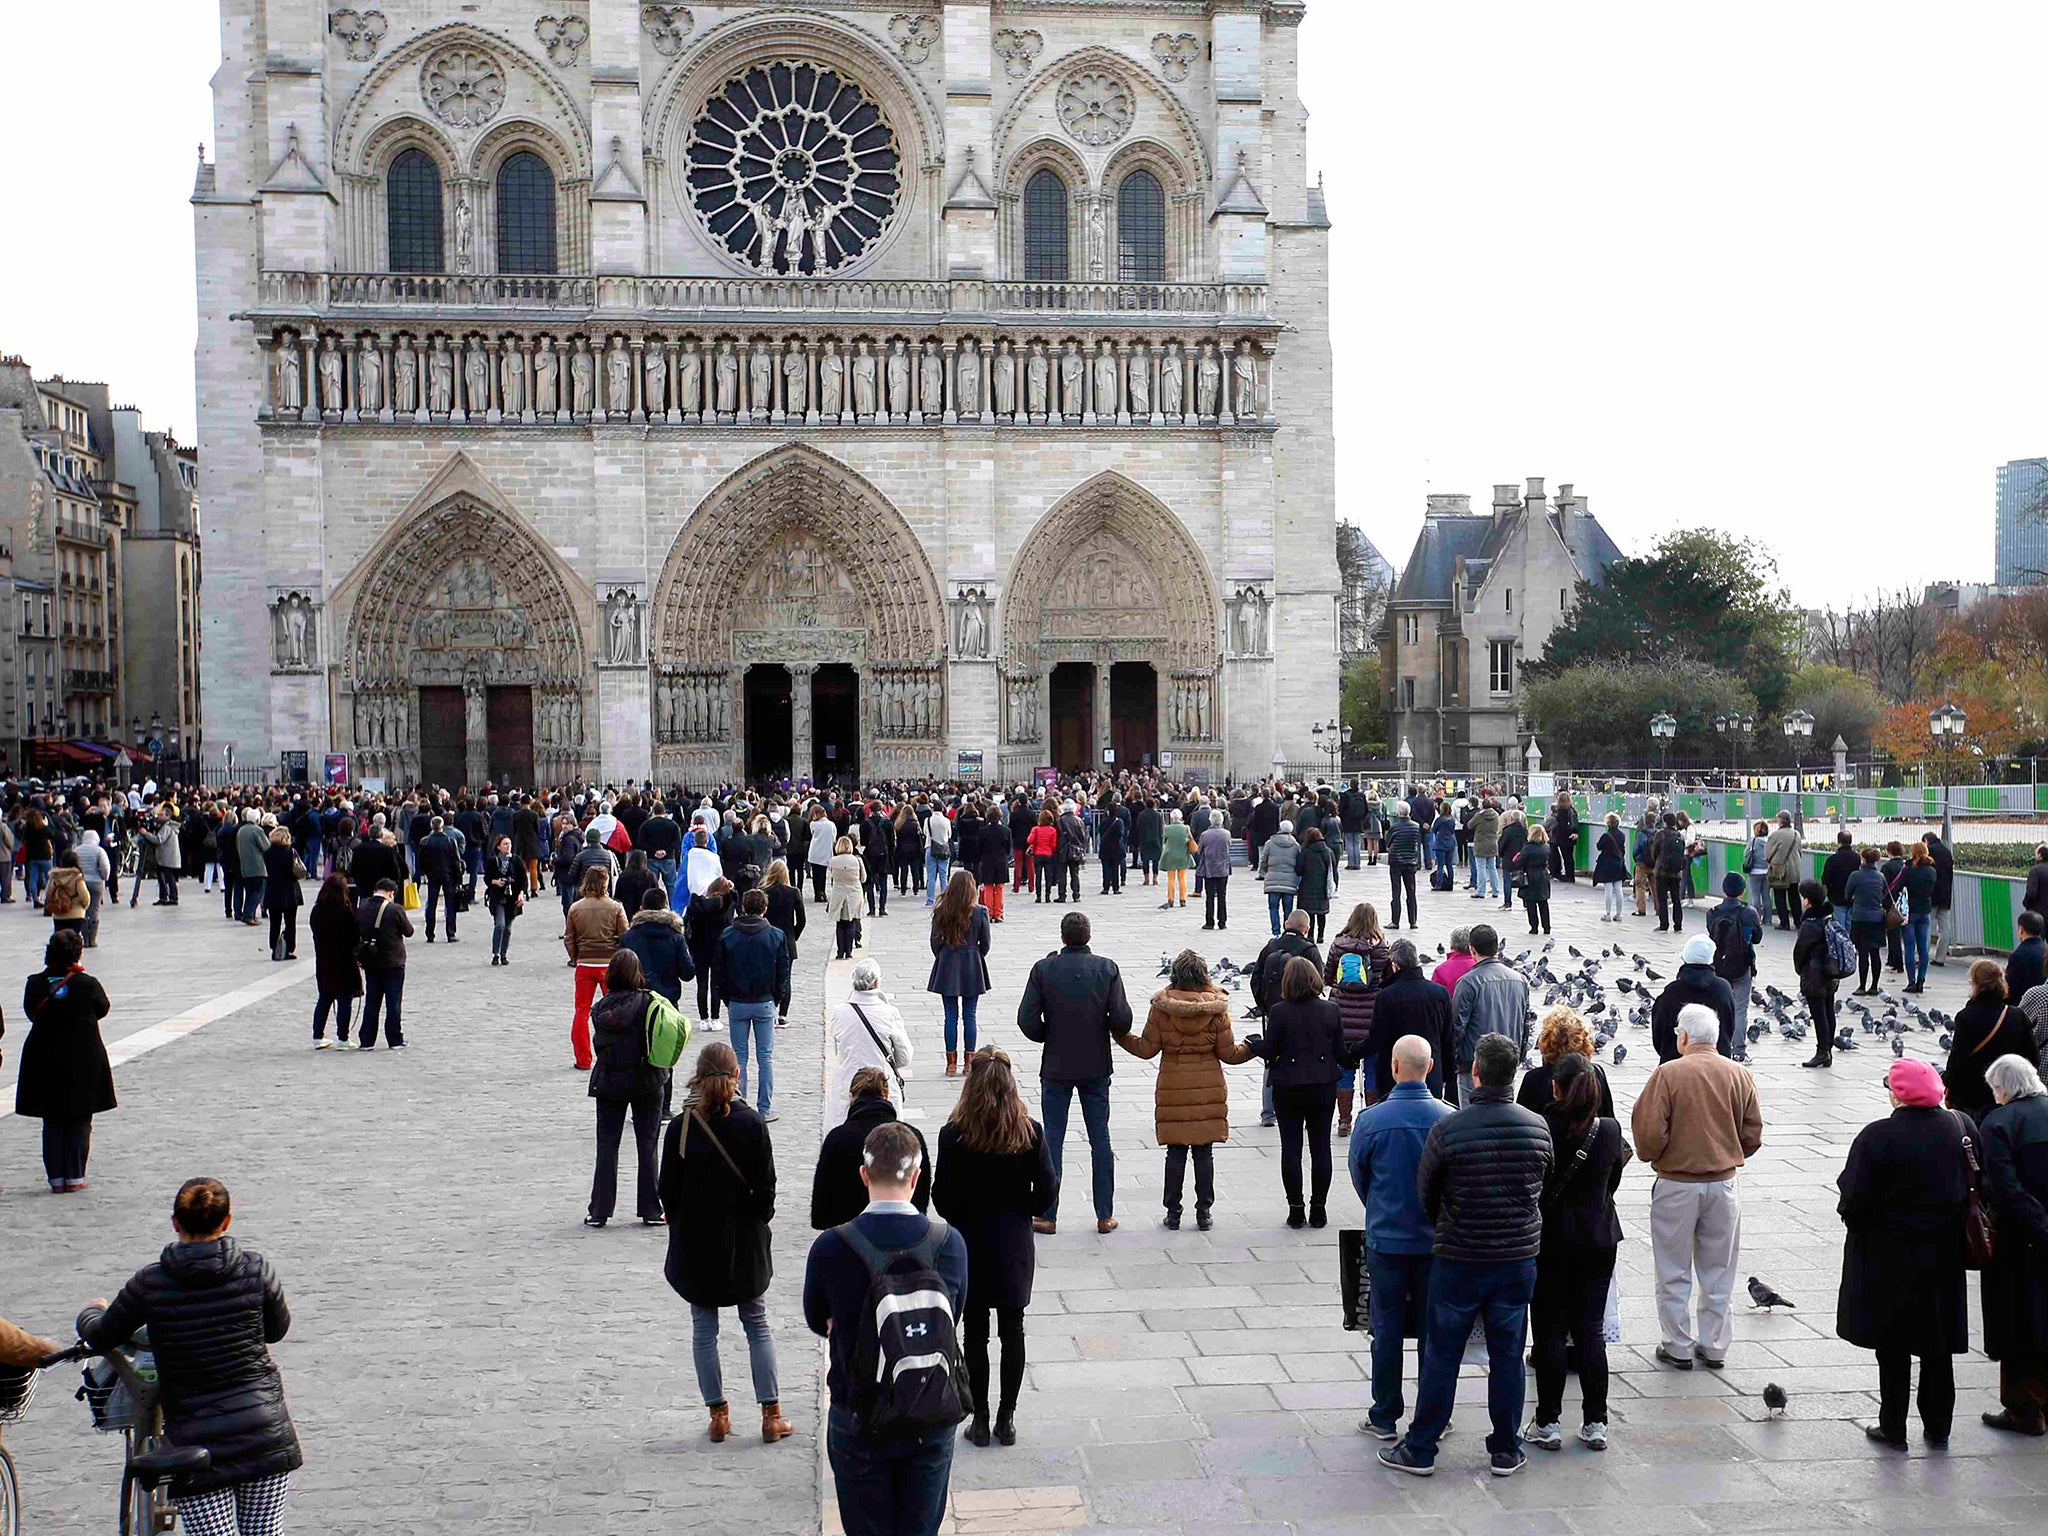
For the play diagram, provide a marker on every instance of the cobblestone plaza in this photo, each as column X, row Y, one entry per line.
column 466, row 1356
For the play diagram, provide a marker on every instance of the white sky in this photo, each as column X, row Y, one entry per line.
column 1770, row 268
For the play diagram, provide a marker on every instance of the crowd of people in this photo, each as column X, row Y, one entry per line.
column 1486, row 1205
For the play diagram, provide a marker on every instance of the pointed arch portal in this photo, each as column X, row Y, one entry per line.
column 798, row 631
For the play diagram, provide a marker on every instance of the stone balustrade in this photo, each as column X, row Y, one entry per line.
column 286, row 295
column 647, row 372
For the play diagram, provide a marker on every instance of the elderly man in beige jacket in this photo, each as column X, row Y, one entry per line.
column 1696, row 1122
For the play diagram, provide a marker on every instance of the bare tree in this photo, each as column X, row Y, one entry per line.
column 1887, row 640
column 1368, row 582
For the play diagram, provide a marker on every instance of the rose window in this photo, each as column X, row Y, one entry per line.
column 464, row 86
column 793, row 170
column 1096, row 108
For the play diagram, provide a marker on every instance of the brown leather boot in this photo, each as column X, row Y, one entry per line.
column 952, row 1063
column 1345, row 1099
column 721, row 1422
column 774, row 1426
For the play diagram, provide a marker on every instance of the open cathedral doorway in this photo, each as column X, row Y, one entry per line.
column 444, row 741
column 1072, row 716
column 835, row 729
column 509, row 737
column 1134, row 713
column 769, row 723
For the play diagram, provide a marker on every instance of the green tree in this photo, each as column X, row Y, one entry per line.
column 1597, row 715
column 1695, row 597
column 1360, row 704
column 1841, row 703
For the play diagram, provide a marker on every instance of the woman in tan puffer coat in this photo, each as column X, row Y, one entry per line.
column 1188, row 1026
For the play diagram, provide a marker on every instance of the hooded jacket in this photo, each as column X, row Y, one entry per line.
column 751, row 962
column 618, row 1034
column 656, row 938
column 212, row 1310
column 1190, row 1033
column 1692, row 984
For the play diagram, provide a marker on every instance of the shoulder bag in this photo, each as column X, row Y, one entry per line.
column 888, row 1059
column 683, row 1147
column 1980, row 1232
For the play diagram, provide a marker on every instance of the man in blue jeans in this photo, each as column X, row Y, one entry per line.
column 1480, row 1178
column 1073, row 1002
column 750, row 970
column 1386, row 1149
column 885, row 1487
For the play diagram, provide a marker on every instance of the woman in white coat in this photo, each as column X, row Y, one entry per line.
column 867, row 1031
column 845, row 896
column 823, row 834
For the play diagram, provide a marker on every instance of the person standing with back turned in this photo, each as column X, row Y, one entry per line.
column 1073, row 1003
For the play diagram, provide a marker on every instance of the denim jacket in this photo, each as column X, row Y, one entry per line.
column 1386, row 1151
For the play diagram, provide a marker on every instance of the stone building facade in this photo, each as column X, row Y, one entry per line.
column 820, row 389
column 1480, row 595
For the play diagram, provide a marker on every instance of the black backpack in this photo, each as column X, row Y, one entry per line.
column 909, row 1378
column 1734, row 955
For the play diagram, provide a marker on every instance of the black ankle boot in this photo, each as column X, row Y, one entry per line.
column 1296, row 1218
column 1006, row 1427
column 977, row 1431
column 1318, row 1217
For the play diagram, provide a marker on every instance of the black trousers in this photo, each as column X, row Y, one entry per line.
column 1781, row 902
column 1112, row 874
column 1317, row 921
column 1045, row 883
column 1571, row 1301
column 1216, row 901
column 846, row 931
column 818, row 882
column 383, row 989
column 1070, row 879
column 1402, row 878
column 285, row 920
column 167, row 886
column 1010, row 1333
column 1305, row 1111
column 707, row 995
column 444, row 896
column 1895, row 1390
column 67, row 1143
column 611, row 1122
column 1205, row 1176
column 877, row 890
column 1822, row 1006
column 230, row 891
column 1539, row 912
column 1670, row 901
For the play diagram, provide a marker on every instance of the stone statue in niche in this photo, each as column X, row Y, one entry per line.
column 369, row 377
column 831, row 380
column 1038, row 381
column 289, row 387
column 582, row 380
column 292, row 620
column 330, row 378
column 899, row 379
column 405, row 378
column 1244, row 368
column 931, row 380
column 1209, row 382
column 441, row 379
column 546, row 375
column 971, row 631
column 690, row 380
column 1002, row 378
column 618, row 380
column 760, row 380
column 476, row 379
column 1249, row 625
column 969, row 402
column 622, row 628
column 1141, row 383
column 864, row 382
column 512, row 379
column 1170, row 382
column 1073, row 380
column 1106, row 391
column 728, row 371
column 654, row 379
column 464, row 232
column 795, row 381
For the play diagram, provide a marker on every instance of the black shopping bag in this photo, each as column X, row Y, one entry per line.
column 1355, row 1280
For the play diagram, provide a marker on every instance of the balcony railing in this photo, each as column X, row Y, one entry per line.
column 77, row 680
column 282, row 293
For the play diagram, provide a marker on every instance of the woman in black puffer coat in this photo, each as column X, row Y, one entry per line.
column 624, row 1082
column 212, row 1309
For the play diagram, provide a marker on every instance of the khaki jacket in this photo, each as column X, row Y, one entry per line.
column 1698, row 1119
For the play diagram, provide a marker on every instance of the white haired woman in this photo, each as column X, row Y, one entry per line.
column 867, row 1031
column 2016, row 1280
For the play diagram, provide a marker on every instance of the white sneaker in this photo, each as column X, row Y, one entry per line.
column 1549, row 1437
column 1593, row 1436
column 323, row 1045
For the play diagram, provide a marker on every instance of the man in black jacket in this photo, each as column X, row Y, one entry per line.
column 2036, row 897
column 2027, row 967
column 1944, row 896
column 1481, row 1179
column 373, row 860
column 1351, row 812
column 1837, row 867
column 1673, row 868
column 1073, row 1002
column 1411, row 1004
column 1694, row 983
column 441, row 870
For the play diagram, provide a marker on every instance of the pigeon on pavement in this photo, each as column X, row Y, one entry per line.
column 1761, row 1295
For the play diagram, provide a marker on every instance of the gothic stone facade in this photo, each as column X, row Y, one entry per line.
column 617, row 389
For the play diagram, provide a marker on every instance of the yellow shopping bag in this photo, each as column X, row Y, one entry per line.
column 412, row 896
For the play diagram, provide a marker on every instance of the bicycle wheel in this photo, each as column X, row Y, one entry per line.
column 10, row 1496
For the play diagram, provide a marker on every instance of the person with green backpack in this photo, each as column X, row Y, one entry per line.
column 637, row 1036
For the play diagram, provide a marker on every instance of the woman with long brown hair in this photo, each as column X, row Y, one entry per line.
column 960, row 940
column 994, row 1175
column 718, row 1189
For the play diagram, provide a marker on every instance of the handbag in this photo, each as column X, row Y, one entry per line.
column 366, row 944
column 1980, row 1232
column 1354, row 1278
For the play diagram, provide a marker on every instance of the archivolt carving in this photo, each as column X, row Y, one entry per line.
column 1110, row 564
column 792, row 550
column 1155, row 108
column 464, row 586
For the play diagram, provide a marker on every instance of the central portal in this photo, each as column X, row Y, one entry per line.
column 769, row 727
column 1134, row 713
column 835, row 728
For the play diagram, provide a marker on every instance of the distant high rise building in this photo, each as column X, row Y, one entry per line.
column 2022, row 523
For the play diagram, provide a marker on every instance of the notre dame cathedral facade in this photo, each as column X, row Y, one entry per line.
column 836, row 389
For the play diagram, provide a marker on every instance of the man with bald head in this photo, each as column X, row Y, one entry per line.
column 1386, row 1150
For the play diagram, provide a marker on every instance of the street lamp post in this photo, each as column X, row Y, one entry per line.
column 1948, row 724
column 1331, row 740
column 1662, row 729
column 1737, row 728
column 1798, row 727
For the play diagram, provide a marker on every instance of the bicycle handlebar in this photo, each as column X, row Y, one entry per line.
column 78, row 1351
